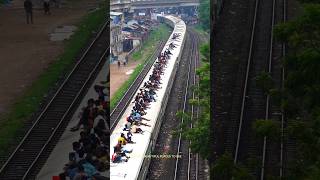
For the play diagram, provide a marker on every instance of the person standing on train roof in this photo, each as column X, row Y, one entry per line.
column 28, row 7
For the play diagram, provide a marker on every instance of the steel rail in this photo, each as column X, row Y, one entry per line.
column 246, row 81
column 195, row 82
column 192, row 107
column 282, row 87
column 192, row 52
column 268, row 96
column 55, row 95
column 182, row 120
column 198, row 100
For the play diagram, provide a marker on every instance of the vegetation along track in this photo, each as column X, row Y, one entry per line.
column 186, row 165
column 263, row 56
column 117, row 112
column 36, row 145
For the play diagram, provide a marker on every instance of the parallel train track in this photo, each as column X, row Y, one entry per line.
column 264, row 55
column 36, row 145
column 185, row 165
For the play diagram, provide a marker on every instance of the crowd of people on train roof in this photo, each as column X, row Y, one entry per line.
column 90, row 153
column 142, row 101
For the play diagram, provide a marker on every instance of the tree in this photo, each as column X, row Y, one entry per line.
column 204, row 14
column 264, row 82
column 268, row 128
column 224, row 168
column 301, row 97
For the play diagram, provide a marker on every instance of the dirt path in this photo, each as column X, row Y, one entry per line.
column 119, row 75
column 26, row 50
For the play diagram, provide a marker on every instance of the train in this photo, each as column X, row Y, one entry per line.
column 136, row 167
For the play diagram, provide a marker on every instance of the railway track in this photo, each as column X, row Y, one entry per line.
column 274, row 163
column 35, row 147
column 196, row 163
column 185, row 165
column 117, row 112
column 264, row 55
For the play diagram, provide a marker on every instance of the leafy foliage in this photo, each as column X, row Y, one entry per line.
column 224, row 168
column 265, row 82
column 204, row 14
column 301, row 96
column 268, row 128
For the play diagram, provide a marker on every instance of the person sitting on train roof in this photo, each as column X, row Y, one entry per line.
column 99, row 89
column 89, row 169
column 171, row 46
column 147, row 84
column 137, row 116
column 136, row 129
column 117, row 148
column 119, row 153
column 141, row 123
column 152, row 91
column 149, row 96
column 139, row 109
column 155, row 85
column 70, row 170
column 175, row 35
column 79, row 150
column 129, row 135
column 101, row 129
column 117, row 158
column 142, row 102
column 87, row 117
column 168, row 52
column 120, row 149
column 122, row 139
column 85, row 141
column 127, row 126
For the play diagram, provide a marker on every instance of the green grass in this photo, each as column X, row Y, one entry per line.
column 28, row 103
column 198, row 28
column 162, row 32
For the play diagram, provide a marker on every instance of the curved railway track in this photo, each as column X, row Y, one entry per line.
column 117, row 112
column 36, row 145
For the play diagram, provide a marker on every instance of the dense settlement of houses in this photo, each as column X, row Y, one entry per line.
column 130, row 27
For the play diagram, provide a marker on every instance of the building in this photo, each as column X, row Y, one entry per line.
column 116, row 39
column 120, row 5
